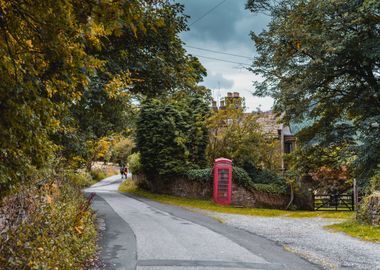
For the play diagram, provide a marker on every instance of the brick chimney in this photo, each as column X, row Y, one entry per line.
column 222, row 105
column 214, row 105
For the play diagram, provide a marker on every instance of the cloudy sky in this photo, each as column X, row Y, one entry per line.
column 225, row 29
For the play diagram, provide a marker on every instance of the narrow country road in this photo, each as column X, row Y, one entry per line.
column 142, row 234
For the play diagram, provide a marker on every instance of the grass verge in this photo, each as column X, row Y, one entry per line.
column 357, row 230
column 130, row 187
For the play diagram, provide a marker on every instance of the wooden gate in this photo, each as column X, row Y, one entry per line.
column 333, row 202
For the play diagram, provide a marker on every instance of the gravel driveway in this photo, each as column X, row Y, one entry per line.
column 307, row 238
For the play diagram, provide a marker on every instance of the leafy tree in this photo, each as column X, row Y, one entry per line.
column 44, row 64
column 235, row 135
column 198, row 109
column 69, row 69
column 320, row 61
column 140, row 59
column 171, row 135
column 121, row 149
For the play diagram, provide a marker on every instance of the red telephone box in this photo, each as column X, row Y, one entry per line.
column 222, row 181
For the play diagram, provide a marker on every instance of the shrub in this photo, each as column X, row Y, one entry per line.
column 50, row 227
column 268, row 177
column 369, row 209
column 374, row 183
column 98, row 175
column 128, row 186
column 201, row 175
column 262, row 176
column 270, row 188
column 134, row 163
column 241, row 177
column 80, row 179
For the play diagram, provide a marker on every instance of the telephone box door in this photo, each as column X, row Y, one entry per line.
column 222, row 181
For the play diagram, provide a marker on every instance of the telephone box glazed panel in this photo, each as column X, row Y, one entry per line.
column 222, row 181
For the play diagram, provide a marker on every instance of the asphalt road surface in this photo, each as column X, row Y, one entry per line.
column 142, row 234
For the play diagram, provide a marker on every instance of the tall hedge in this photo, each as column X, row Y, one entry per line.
column 241, row 178
column 171, row 136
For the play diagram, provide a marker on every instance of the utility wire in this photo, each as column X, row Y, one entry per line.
column 208, row 12
column 219, row 52
column 222, row 60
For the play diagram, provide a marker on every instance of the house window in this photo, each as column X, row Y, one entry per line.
column 288, row 147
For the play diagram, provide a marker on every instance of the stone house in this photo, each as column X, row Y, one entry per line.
column 269, row 122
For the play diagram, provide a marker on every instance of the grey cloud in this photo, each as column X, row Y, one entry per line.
column 217, row 80
column 226, row 29
column 230, row 22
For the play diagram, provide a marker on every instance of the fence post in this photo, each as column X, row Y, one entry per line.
column 336, row 201
column 356, row 201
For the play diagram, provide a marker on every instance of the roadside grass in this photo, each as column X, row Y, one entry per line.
column 83, row 179
column 99, row 174
column 219, row 219
column 130, row 187
column 357, row 230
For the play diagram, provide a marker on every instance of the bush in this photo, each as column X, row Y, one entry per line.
column 134, row 163
column 374, row 183
column 270, row 188
column 262, row 176
column 98, row 175
column 201, row 175
column 80, row 179
column 268, row 177
column 240, row 177
column 51, row 227
column 368, row 210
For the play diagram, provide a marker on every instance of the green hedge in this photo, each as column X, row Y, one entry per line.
column 241, row 178
column 270, row 188
column 201, row 175
column 239, row 175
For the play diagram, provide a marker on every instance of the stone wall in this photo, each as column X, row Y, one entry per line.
column 240, row 195
column 247, row 198
column 373, row 209
column 189, row 189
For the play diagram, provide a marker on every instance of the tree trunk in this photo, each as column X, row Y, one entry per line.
column 291, row 197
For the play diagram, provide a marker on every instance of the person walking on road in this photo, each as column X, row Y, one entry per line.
column 122, row 171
